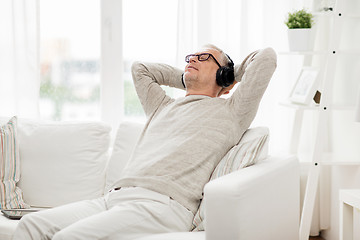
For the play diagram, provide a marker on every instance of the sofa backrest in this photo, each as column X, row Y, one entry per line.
column 127, row 136
column 61, row 162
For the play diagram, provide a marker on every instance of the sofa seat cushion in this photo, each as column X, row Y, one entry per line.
column 7, row 227
column 176, row 236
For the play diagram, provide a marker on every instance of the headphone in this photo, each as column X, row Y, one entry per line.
column 225, row 74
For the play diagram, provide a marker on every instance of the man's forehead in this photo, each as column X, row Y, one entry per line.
column 208, row 50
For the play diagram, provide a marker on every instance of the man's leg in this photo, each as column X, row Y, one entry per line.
column 44, row 224
column 133, row 213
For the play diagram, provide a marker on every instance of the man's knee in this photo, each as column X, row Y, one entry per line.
column 59, row 236
column 25, row 228
column 66, row 235
column 32, row 226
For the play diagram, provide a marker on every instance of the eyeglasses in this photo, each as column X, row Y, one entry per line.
column 201, row 57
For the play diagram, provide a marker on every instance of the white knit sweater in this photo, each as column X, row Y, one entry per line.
column 185, row 138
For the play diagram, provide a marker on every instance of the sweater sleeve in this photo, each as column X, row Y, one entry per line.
column 253, row 81
column 147, row 79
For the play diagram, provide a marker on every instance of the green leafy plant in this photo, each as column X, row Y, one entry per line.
column 299, row 19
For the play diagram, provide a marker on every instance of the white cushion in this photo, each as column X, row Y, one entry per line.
column 252, row 148
column 10, row 194
column 126, row 138
column 62, row 162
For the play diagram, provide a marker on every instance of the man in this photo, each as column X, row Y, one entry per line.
column 182, row 142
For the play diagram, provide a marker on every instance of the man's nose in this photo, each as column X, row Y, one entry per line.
column 193, row 58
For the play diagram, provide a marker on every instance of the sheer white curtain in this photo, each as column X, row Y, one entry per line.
column 19, row 81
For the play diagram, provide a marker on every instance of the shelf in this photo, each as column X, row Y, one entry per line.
column 348, row 52
column 323, row 14
column 322, row 52
column 330, row 159
column 342, row 107
column 334, row 14
column 288, row 103
column 352, row 16
column 335, row 163
column 340, row 163
column 314, row 106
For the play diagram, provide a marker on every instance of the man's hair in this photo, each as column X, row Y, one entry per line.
column 224, row 58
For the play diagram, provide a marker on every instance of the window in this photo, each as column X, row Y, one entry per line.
column 149, row 34
column 70, row 59
column 70, row 53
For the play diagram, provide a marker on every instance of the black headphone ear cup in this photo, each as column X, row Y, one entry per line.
column 225, row 76
column 219, row 80
column 229, row 76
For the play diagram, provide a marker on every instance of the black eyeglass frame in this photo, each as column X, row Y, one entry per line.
column 187, row 58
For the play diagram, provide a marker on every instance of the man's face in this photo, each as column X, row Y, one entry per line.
column 201, row 74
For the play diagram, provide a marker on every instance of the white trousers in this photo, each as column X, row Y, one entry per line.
column 128, row 213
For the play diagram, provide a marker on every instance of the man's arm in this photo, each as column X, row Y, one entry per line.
column 259, row 68
column 239, row 71
column 147, row 80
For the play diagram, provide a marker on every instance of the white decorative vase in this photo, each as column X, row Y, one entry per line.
column 299, row 39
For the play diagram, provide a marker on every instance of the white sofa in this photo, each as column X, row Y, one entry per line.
column 66, row 162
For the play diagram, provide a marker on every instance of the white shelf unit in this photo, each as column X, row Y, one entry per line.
column 318, row 156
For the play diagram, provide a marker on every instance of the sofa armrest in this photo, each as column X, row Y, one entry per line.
column 258, row 202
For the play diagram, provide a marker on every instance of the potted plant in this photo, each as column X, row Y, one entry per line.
column 299, row 25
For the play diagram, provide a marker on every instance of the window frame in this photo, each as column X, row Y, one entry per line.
column 111, row 62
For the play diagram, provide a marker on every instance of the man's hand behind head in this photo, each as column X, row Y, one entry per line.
column 227, row 89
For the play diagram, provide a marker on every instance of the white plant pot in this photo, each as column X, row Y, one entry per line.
column 299, row 39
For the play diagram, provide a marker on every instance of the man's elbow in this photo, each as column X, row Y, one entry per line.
column 138, row 69
column 269, row 56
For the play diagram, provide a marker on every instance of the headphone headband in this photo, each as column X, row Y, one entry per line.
column 230, row 63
